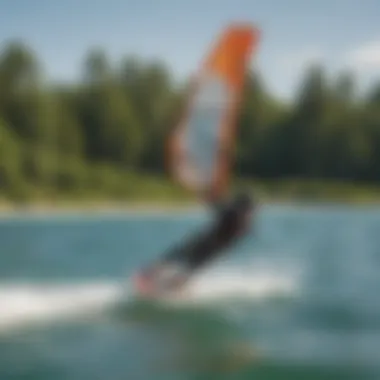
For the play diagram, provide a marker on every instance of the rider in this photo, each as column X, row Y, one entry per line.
column 232, row 221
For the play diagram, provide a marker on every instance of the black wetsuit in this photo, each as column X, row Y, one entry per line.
column 231, row 222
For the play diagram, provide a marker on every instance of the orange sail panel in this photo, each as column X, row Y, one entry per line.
column 201, row 145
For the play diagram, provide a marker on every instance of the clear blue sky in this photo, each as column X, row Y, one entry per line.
column 341, row 33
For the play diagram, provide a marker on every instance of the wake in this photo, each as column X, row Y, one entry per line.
column 25, row 304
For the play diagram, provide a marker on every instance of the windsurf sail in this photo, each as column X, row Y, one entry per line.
column 202, row 143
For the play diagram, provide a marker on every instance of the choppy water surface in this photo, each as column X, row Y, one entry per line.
column 299, row 298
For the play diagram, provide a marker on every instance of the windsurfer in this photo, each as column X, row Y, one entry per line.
column 200, row 155
column 231, row 223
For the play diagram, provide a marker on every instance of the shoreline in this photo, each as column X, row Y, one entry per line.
column 166, row 199
column 98, row 208
column 8, row 209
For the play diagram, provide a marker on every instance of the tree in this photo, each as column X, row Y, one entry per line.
column 11, row 179
column 111, row 128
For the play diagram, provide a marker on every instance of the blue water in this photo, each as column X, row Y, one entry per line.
column 297, row 299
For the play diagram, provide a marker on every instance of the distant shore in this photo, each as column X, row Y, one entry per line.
column 46, row 208
column 286, row 192
column 148, row 208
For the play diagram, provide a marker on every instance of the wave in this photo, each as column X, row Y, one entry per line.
column 23, row 304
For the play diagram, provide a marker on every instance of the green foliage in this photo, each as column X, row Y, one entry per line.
column 105, row 135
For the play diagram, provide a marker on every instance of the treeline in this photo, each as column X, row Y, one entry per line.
column 104, row 133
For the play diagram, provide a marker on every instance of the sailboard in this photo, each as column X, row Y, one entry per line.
column 201, row 145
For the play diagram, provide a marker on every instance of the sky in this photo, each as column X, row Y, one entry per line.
column 341, row 34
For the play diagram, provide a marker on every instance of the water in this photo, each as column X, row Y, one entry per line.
column 297, row 299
